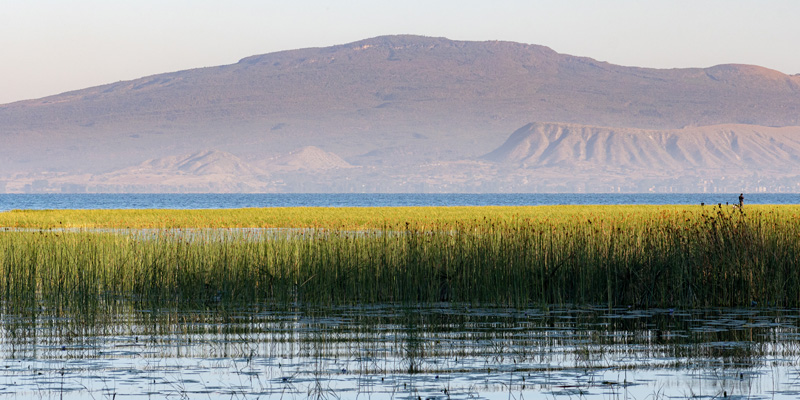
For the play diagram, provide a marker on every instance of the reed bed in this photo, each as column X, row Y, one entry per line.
column 642, row 256
column 342, row 218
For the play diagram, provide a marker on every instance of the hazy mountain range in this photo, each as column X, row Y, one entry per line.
column 409, row 113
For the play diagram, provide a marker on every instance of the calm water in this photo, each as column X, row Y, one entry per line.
column 125, row 349
column 392, row 352
column 188, row 201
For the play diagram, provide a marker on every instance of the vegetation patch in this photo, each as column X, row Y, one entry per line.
column 641, row 256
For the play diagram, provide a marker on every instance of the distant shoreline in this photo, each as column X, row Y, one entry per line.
column 244, row 200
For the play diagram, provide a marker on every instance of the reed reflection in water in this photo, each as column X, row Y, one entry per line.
column 398, row 351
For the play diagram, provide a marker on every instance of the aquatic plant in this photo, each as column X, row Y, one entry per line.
column 348, row 218
column 638, row 256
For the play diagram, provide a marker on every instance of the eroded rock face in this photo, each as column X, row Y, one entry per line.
column 716, row 147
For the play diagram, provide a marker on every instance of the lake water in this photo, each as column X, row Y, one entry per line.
column 395, row 352
column 198, row 201
column 122, row 348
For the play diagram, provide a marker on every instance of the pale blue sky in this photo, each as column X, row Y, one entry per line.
column 51, row 46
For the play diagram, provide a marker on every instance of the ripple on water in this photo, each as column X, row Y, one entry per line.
column 392, row 352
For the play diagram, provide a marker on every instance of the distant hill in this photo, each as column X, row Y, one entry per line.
column 735, row 148
column 204, row 171
column 209, row 162
column 309, row 158
column 391, row 106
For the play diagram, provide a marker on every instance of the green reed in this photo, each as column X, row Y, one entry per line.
column 348, row 218
column 645, row 257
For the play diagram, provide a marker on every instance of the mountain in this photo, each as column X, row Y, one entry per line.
column 203, row 171
column 209, row 162
column 310, row 158
column 717, row 147
column 390, row 107
column 723, row 158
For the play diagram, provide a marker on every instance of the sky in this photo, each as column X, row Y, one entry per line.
column 52, row 46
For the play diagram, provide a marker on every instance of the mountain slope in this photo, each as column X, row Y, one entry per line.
column 434, row 98
column 539, row 157
column 310, row 158
column 209, row 162
column 204, row 171
column 719, row 147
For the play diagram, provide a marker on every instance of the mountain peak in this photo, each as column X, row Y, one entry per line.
column 205, row 162
column 749, row 75
column 398, row 47
column 309, row 158
column 389, row 102
column 397, row 41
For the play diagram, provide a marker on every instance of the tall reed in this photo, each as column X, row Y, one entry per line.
column 672, row 257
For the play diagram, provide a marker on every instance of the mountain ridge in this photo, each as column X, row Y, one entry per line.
column 382, row 106
column 307, row 158
column 716, row 147
column 549, row 157
column 206, row 162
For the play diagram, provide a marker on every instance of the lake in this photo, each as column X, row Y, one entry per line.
column 199, row 201
column 109, row 346
column 404, row 352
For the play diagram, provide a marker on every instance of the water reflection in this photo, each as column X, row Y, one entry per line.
column 391, row 351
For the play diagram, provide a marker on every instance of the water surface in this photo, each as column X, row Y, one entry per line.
column 396, row 352
column 199, row 201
